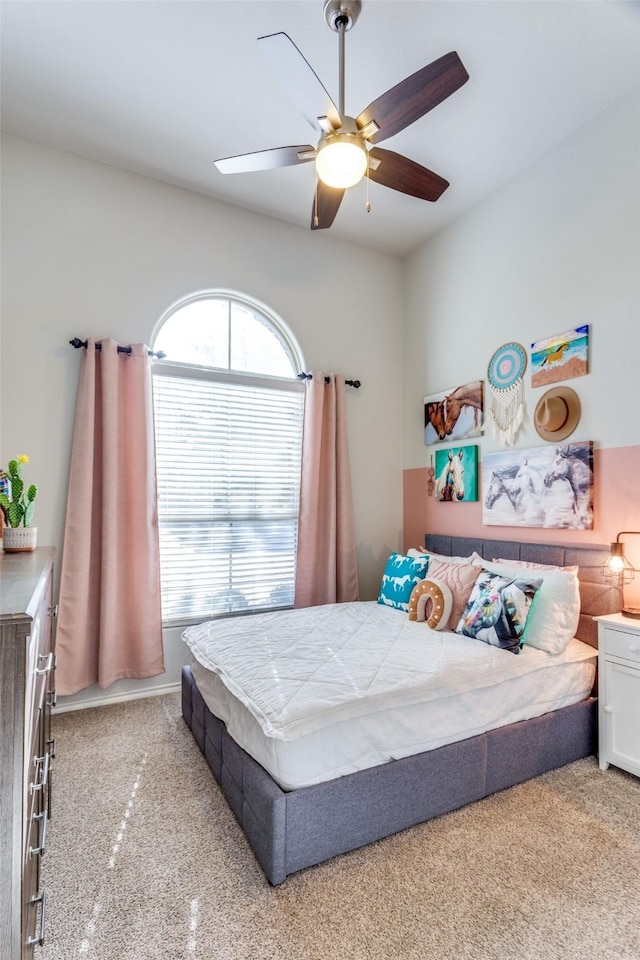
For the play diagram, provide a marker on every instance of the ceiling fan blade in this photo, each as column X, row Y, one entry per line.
column 413, row 97
column 325, row 205
column 405, row 175
column 267, row 159
column 299, row 79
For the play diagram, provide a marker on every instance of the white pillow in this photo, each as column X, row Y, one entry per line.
column 530, row 565
column 554, row 618
column 412, row 552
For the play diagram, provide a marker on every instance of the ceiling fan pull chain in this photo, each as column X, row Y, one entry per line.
column 367, row 205
column 315, row 204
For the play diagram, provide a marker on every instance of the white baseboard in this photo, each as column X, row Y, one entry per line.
column 106, row 699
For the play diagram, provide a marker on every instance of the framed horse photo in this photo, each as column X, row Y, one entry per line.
column 455, row 414
column 457, row 474
column 548, row 486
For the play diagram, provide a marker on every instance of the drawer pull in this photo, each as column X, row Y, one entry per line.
column 44, row 773
column 49, row 658
column 608, row 709
column 42, row 900
column 49, row 799
column 42, row 839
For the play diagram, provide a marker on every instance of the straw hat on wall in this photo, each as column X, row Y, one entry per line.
column 557, row 413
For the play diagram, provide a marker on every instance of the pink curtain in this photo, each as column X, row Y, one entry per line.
column 326, row 562
column 109, row 619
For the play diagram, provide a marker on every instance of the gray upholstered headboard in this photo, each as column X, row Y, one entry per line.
column 596, row 596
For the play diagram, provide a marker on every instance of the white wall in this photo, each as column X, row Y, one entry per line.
column 88, row 249
column 556, row 248
column 91, row 250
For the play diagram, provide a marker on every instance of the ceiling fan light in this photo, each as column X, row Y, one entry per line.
column 342, row 160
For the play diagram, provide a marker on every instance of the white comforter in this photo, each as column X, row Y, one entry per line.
column 297, row 671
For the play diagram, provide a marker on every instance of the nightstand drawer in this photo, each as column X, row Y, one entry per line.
column 619, row 644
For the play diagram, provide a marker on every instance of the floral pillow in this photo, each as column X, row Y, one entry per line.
column 399, row 578
column 497, row 610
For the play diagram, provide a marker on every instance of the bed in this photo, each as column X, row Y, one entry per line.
column 292, row 826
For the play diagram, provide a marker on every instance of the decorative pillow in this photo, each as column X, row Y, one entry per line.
column 431, row 601
column 554, row 621
column 460, row 578
column 530, row 565
column 497, row 610
column 399, row 578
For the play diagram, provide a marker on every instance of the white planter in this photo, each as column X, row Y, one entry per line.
column 19, row 539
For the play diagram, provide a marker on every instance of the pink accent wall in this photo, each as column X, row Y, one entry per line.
column 616, row 508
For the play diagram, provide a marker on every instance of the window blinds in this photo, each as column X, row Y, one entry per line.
column 228, row 467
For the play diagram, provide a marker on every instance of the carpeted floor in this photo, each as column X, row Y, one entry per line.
column 146, row 862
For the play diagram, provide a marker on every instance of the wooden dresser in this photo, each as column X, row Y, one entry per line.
column 27, row 693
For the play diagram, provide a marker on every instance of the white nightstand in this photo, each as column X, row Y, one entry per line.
column 619, row 692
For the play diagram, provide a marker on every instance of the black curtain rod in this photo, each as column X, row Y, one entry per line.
column 77, row 343
column 349, row 383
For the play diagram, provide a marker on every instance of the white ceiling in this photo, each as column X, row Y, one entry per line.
column 164, row 87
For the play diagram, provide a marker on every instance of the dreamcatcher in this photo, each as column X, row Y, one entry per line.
column 431, row 479
column 506, row 392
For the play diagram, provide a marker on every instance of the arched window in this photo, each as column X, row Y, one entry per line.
column 228, row 413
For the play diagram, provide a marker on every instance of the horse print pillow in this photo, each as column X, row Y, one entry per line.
column 554, row 621
column 497, row 610
column 399, row 578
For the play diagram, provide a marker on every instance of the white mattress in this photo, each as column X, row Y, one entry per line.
column 317, row 693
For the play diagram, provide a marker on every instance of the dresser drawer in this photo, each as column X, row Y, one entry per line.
column 34, row 924
column 33, row 897
column 27, row 664
column 36, row 839
column 624, row 645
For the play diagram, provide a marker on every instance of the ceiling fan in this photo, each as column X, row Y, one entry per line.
column 345, row 152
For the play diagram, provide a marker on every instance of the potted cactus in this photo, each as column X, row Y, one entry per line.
column 17, row 508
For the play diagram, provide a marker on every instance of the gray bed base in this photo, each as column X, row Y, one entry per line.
column 291, row 830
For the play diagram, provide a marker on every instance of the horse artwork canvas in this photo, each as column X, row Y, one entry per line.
column 548, row 486
column 454, row 415
column 561, row 357
column 457, row 474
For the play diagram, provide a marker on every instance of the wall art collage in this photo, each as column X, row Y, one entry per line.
column 548, row 486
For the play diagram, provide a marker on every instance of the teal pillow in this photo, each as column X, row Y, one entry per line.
column 497, row 610
column 399, row 578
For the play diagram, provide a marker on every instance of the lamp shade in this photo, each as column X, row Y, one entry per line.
column 617, row 569
column 342, row 160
